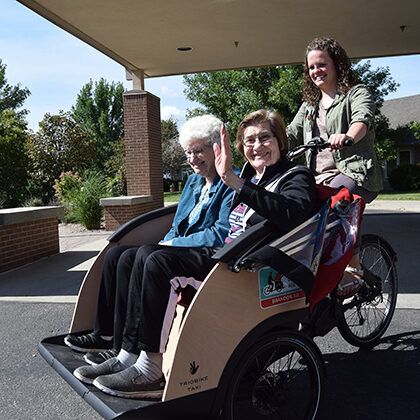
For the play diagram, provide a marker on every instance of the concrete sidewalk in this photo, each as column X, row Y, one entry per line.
column 57, row 279
column 400, row 206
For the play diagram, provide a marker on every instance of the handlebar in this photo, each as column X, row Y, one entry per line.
column 316, row 144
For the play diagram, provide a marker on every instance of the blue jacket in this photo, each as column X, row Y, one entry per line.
column 212, row 226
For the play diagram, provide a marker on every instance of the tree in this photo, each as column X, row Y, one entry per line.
column 116, row 167
column 173, row 156
column 392, row 139
column 415, row 126
column 168, row 129
column 60, row 145
column 379, row 80
column 380, row 83
column 11, row 97
column 99, row 111
column 230, row 95
column 13, row 162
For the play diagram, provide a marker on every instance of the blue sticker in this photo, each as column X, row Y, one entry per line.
column 276, row 289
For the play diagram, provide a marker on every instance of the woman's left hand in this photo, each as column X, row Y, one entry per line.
column 223, row 162
column 223, row 154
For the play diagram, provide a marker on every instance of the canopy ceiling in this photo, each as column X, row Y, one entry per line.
column 143, row 35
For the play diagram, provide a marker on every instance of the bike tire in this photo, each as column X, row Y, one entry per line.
column 364, row 318
column 280, row 377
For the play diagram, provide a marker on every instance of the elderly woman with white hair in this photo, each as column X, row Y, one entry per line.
column 135, row 284
column 270, row 188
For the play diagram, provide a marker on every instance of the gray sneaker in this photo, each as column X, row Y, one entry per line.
column 87, row 343
column 130, row 383
column 87, row 374
column 98, row 358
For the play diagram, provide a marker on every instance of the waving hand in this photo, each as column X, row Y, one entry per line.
column 223, row 162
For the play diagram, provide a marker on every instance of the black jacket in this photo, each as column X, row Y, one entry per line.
column 288, row 203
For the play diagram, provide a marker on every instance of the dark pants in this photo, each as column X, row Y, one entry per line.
column 113, row 292
column 347, row 182
column 150, row 288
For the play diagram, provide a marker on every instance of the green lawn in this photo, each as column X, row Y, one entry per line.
column 398, row 195
column 170, row 197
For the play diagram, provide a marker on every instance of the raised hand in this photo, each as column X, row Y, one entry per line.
column 223, row 162
column 223, row 154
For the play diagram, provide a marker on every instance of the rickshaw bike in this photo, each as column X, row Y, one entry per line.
column 235, row 351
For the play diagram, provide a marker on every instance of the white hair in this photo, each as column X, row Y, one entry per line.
column 203, row 127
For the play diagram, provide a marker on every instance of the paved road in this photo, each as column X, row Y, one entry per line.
column 378, row 384
column 402, row 231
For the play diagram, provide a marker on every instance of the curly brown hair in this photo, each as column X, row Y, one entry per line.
column 261, row 116
column 345, row 75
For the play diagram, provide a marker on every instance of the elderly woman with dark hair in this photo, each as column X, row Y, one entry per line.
column 337, row 108
column 270, row 187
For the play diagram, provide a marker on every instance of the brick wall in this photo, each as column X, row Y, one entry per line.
column 25, row 242
column 116, row 216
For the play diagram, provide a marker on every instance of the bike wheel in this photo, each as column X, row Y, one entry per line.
column 364, row 318
column 280, row 377
column 267, row 290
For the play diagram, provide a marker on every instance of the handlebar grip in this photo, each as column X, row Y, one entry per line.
column 348, row 142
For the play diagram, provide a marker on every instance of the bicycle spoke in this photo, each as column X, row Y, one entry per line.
column 364, row 318
column 273, row 384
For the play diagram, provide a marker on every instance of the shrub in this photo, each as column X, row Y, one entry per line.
column 67, row 185
column 405, row 178
column 85, row 203
column 66, row 188
column 81, row 197
column 166, row 184
column 117, row 185
column 39, row 190
column 33, row 202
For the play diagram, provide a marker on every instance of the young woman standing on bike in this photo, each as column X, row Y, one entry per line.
column 336, row 108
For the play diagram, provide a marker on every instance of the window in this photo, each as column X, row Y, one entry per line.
column 404, row 157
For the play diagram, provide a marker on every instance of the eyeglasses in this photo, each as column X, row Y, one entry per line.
column 264, row 138
column 196, row 152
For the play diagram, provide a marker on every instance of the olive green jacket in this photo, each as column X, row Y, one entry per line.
column 359, row 161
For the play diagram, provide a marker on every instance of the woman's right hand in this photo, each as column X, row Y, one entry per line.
column 355, row 133
column 337, row 141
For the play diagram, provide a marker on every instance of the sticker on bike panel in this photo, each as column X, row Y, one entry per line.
column 276, row 289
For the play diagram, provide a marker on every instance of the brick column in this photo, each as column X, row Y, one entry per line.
column 143, row 145
column 143, row 153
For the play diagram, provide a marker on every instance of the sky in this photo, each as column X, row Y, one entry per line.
column 55, row 65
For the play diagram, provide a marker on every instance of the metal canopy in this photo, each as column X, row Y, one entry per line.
column 143, row 35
